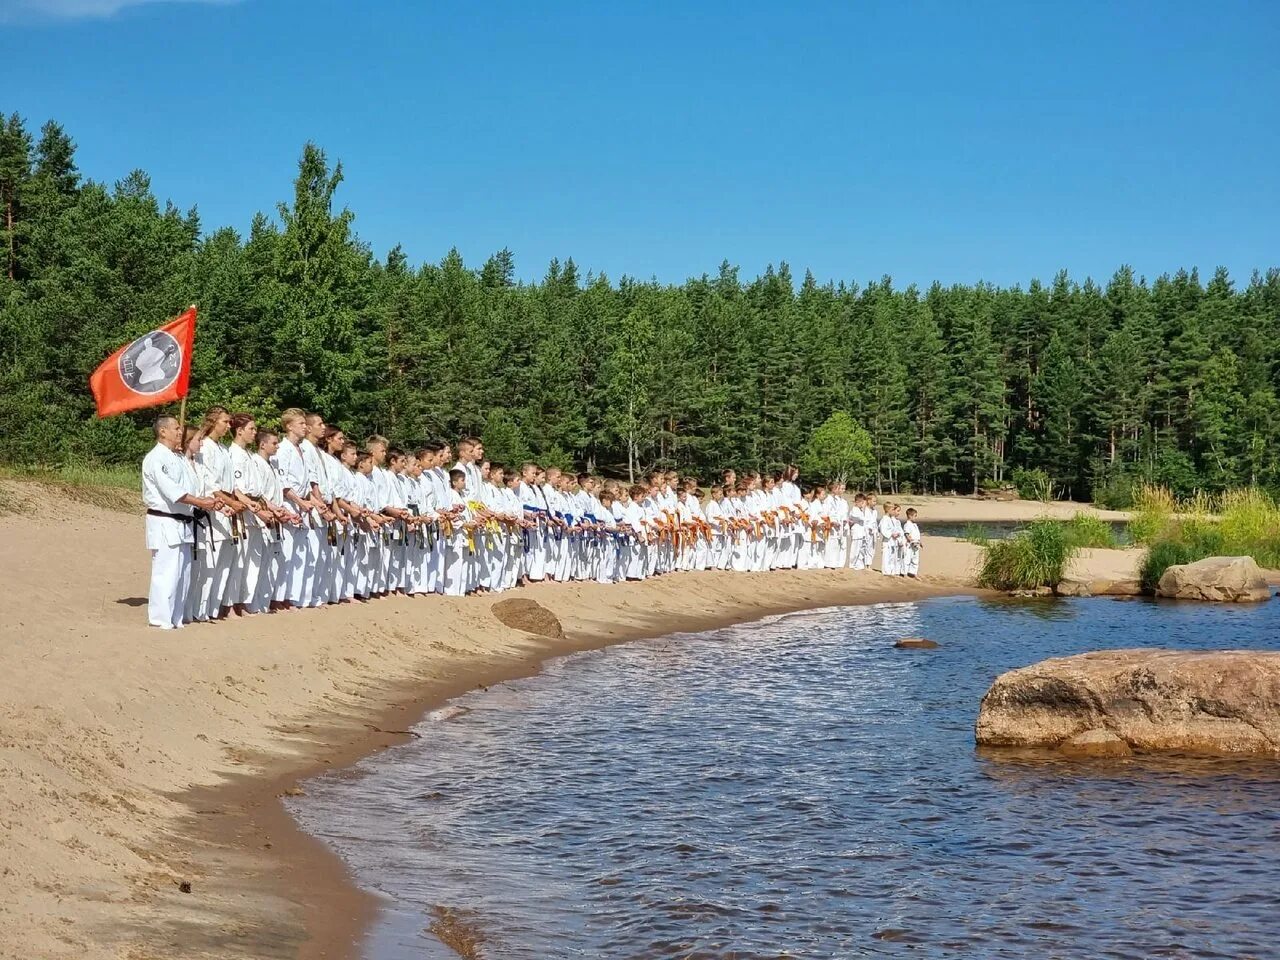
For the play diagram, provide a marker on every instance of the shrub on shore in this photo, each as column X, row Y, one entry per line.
column 1116, row 492
column 1034, row 557
column 1244, row 523
column 1034, row 484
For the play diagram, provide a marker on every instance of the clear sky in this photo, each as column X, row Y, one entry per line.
column 948, row 141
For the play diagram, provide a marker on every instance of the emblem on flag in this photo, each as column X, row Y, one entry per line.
column 151, row 363
column 149, row 371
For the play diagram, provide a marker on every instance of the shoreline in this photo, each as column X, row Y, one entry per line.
column 136, row 760
column 332, row 913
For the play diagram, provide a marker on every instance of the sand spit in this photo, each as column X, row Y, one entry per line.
column 138, row 765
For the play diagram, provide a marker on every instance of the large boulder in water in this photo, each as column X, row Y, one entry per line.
column 1218, row 579
column 1210, row 702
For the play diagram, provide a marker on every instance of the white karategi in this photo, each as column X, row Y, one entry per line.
column 251, row 550
column 911, row 547
column 292, row 473
column 213, row 564
column 166, row 478
column 891, row 546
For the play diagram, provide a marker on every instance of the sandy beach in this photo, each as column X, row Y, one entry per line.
column 137, row 762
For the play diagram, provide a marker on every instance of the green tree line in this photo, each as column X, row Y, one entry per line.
column 1173, row 381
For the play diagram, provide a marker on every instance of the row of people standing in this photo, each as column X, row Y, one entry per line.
column 304, row 517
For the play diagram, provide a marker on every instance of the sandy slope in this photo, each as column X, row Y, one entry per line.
column 112, row 735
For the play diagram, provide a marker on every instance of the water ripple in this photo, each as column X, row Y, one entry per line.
column 796, row 788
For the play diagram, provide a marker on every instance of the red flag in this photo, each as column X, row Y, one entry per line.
column 154, row 369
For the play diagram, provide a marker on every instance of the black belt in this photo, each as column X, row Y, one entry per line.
column 185, row 518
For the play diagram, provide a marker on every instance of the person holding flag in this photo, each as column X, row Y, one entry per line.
column 169, row 492
column 152, row 370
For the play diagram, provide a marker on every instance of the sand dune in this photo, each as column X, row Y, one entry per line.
column 134, row 760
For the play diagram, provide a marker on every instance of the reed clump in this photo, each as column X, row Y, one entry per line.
column 1154, row 507
column 1089, row 532
column 1034, row 557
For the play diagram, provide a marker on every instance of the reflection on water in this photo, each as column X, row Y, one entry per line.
column 798, row 788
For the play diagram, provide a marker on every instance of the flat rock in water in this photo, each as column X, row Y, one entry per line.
column 529, row 616
column 916, row 643
column 1215, row 579
column 1224, row 703
column 1095, row 743
column 1074, row 588
column 1116, row 588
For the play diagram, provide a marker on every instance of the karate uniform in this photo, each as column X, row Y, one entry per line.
column 261, row 582
column 459, row 567
column 315, row 587
column 292, row 474
column 719, row 555
column 212, row 572
column 636, row 547
column 794, row 531
column 911, row 547
column 891, row 546
column 837, row 508
column 858, row 534
column 166, row 478
column 251, row 553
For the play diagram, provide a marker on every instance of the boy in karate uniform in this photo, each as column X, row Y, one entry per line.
column 891, row 535
column 912, row 543
column 459, row 565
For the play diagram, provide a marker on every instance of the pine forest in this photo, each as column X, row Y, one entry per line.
column 1092, row 386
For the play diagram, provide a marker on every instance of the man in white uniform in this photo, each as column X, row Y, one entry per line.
column 168, row 492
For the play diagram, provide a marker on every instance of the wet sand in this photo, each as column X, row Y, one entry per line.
column 136, row 761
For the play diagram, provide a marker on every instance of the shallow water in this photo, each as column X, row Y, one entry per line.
column 1003, row 529
column 798, row 788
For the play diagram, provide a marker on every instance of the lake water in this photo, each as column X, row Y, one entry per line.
column 798, row 788
column 1001, row 529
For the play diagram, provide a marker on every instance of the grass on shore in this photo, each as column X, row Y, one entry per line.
column 108, row 487
column 1034, row 557
column 1038, row 555
column 1238, row 523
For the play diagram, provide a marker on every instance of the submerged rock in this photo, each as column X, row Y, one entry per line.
column 1212, row 702
column 1216, row 579
column 529, row 616
column 1095, row 743
column 916, row 643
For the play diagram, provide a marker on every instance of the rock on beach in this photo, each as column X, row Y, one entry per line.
column 529, row 616
column 1215, row 579
column 1224, row 703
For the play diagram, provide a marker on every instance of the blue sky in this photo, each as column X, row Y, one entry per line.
column 947, row 141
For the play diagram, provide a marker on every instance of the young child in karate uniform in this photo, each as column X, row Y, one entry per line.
column 460, row 567
column 912, row 543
